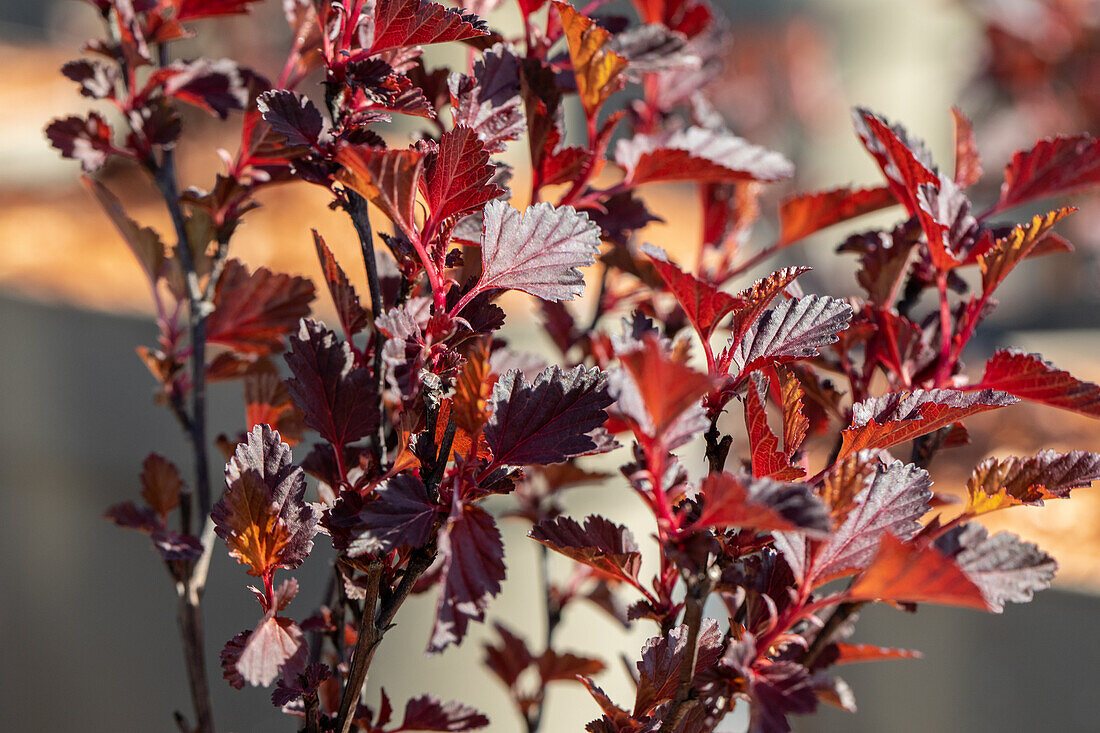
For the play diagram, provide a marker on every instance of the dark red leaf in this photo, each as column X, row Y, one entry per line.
column 775, row 689
column 397, row 515
column 1054, row 165
column 968, row 164
column 263, row 516
column 1004, row 567
column 557, row 417
column 893, row 504
column 353, row 317
column 386, row 178
column 761, row 504
column 277, row 647
column 457, row 175
column 893, row 418
column 911, row 573
column 254, row 311
column 538, row 252
column 659, row 668
column 554, row 666
column 509, row 660
column 267, row 402
column 195, row 9
column 803, row 215
column 698, row 154
column 1029, row 377
column 218, row 86
column 97, row 78
column 144, row 242
column 403, row 23
column 338, row 398
column 904, row 160
column 292, row 116
column 489, row 102
column 85, row 140
column 160, row 484
column 601, row 544
column 704, row 304
column 473, row 567
column 428, row 712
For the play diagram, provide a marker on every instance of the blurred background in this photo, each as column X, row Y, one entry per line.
column 87, row 622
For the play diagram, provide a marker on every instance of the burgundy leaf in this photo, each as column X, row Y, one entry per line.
column 904, row 160
column 428, row 712
column 473, row 567
column 794, row 329
column 489, row 102
column 457, row 175
column 96, row 77
column 218, row 86
column 893, row 504
column 999, row 483
column 761, row 504
column 538, row 252
column 968, row 164
column 1054, row 165
column 601, row 544
column 402, row 23
column 277, row 647
column 263, row 516
column 509, row 660
column 195, row 9
column 291, row 115
column 557, row 417
column 1029, row 377
column 758, row 296
column 397, row 515
column 555, row 666
column 659, row 668
column 1004, row 567
column 386, row 178
column 698, row 154
column 160, row 484
column 144, row 242
column 85, row 140
column 338, row 398
column 775, row 689
column 254, row 311
column 353, row 317
column 803, row 215
column 893, row 418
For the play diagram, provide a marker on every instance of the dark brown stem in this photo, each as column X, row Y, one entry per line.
column 698, row 588
column 189, row 611
column 553, row 619
column 718, row 447
column 840, row 614
column 313, row 723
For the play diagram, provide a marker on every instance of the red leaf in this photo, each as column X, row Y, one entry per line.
column 760, row 504
column 904, row 160
column 600, row 544
column 911, row 573
column 1004, row 567
column 896, row 499
column 386, row 178
column 267, row 402
column 194, row 9
column 277, row 647
column 253, row 312
column 473, row 566
column 558, row 416
column 968, row 164
column 698, row 154
column 338, row 398
column 893, row 418
column 538, row 252
column 509, row 660
column 489, row 102
column 217, row 86
column 853, row 653
column 689, row 17
column 703, row 303
column 554, row 666
column 144, row 242
column 1029, row 377
column 263, row 516
column 804, row 214
column 1053, row 166
column 397, row 515
column 659, row 668
column 403, row 23
column 86, row 140
column 794, row 329
column 428, row 712
column 767, row 460
column 457, row 174
column 160, row 484
column 353, row 317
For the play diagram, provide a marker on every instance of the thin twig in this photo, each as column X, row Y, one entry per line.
column 553, row 619
column 841, row 614
column 698, row 589
column 365, row 645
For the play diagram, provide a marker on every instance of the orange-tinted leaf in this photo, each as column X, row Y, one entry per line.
column 848, row 478
column 804, row 214
column 160, row 484
column 882, row 422
column 795, row 423
column 603, row 545
column 253, row 312
column 554, row 666
column 1054, row 165
column 704, row 304
column 386, row 178
column 767, row 460
column 263, row 516
column 1020, row 243
column 1029, row 377
column 267, row 402
column 474, row 387
column 353, row 317
column 968, row 164
column 911, row 573
column 760, row 504
column 852, row 653
column 699, row 154
column 143, row 242
column 1000, row 483
column 598, row 69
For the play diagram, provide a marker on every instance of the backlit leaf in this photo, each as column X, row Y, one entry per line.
column 386, row 178
column 275, row 648
column 489, row 102
column 457, row 175
column 267, row 402
column 143, row 242
column 353, row 317
column 263, row 516
column 768, row 461
column 601, row 544
column 911, row 573
column 160, row 484
column 803, row 215
column 195, row 9
column 703, row 303
column 1009, row 251
column 597, row 68
column 795, row 423
column 558, row 416
column 968, row 164
column 999, row 483
column 698, row 154
column 1029, row 377
column 1054, row 165
column 893, row 418
column 402, row 23
column 538, row 252
column 338, row 398
column 1004, row 567
column 760, row 504
column 254, row 311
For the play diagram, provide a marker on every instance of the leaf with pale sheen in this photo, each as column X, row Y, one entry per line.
column 275, row 648
column 599, row 543
column 1029, row 377
column 794, row 329
column 489, row 101
column 698, row 154
column 1004, row 567
column 397, row 515
column 404, row 23
column 912, row 573
column 1000, row 483
column 761, row 504
column 662, row 656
